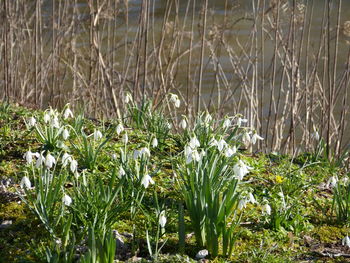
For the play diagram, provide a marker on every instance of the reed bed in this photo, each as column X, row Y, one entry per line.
column 91, row 53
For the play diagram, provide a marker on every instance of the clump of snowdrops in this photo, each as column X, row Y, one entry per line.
column 75, row 201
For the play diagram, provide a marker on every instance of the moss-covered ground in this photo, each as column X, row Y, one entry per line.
column 308, row 232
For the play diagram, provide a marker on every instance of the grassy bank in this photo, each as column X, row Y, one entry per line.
column 72, row 186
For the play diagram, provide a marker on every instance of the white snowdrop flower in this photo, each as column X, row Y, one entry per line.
column 240, row 169
column 28, row 156
column 346, row 241
column 65, row 134
column 196, row 156
column 229, row 151
column 242, row 203
column 168, row 125
column 97, row 135
column 187, row 150
column 49, row 161
column 208, row 118
column 25, row 182
column 55, row 123
column 47, row 117
column 146, row 180
column 202, row 154
column 240, row 121
column 31, row 122
column 251, row 198
column 114, row 156
column 73, row 166
column 183, row 124
column 67, row 200
column 213, row 142
column 121, row 172
column 154, row 143
column 175, row 100
column 120, row 128
column 162, row 219
column 194, row 143
column 127, row 98
column 221, row 144
column 246, row 138
column 266, row 209
column 67, row 113
column 188, row 158
column 332, row 182
column 65, row 159
column 315, row 135
column 136, row 154
column 40, row 160
column 125, row 138
column 145, row 151
column 227, row 123
column 256, row 137
column 177, row 103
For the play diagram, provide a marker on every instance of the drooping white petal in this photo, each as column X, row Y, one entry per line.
column 229, row 151
column 240, row 169
column 175, row 100
column 242, row 203
column 227, row 123
column 346, row 241
column 28, row 156
column 266, row 209
column 47, row 117
column 154, row 143
column 31, row 122
column 25, row 182
column 120, row 128
column 240, row 121
column 127, row 98
column 65, row 134
column 97, row 135
column 121, row 172
column 146, row 180
column 256, row 137
column 194, row 143
column 65, row 159
column 251, row 198
column 208, row 118
column 55, row 123
column 246, row 138
column 221, row 144
column 67, row 113
column 183, row 124
column 67, row 200
column 49, row 161
column 162, row 219
column 213, row 142
column 73, row 166
column 40, row 161
column 145, row 151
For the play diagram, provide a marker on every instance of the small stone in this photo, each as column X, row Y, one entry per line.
column 5, row 224
column 121, row 246
column 202, row 254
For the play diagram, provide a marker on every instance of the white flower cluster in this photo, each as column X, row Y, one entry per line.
column 246, row 198
column 175, row 100
column 142, row 152
column 191, row 151
column 223, row 147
